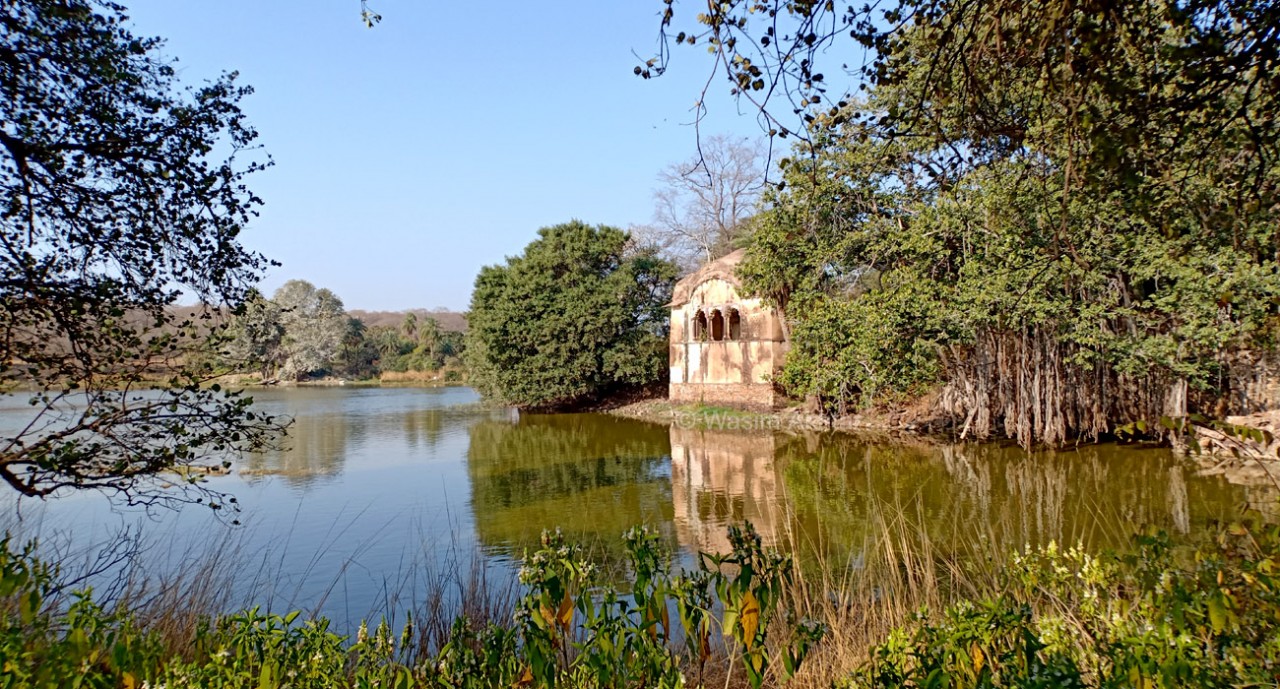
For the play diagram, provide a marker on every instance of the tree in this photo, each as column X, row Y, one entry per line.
column 1063, row 243
column 358, row 355
column 704, row 204
column 314, row 324
column 390, row 346
column 427, row 354
column 409, row 327
column 253, row 338
column 783, row 58
column 119, row 192
column 580, row 315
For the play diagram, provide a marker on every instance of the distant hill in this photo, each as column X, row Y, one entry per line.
column 449, row 321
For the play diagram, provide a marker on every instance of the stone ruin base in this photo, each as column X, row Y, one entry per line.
column 754, row 397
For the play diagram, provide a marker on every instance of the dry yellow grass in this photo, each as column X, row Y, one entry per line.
column 410, row 376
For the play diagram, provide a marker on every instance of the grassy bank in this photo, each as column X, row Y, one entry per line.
column 795, row 419
column 905, row 614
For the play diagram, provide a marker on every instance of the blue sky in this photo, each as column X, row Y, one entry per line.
column 410, row 155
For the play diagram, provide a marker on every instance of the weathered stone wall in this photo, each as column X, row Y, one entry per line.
column 757, row 397
column 715, row 360
column 721, row 363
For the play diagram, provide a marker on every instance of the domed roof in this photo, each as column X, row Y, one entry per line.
column 723, row 268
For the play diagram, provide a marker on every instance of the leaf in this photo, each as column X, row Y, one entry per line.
column 1217, row 612
column 755, row 661
column 565, row 615
column 267, row 679
column 128, row 681
column 750, row 619
column 28, row 606
column 730, row 620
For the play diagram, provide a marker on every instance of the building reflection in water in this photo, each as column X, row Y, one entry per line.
column 838, row 495
column 720, row 478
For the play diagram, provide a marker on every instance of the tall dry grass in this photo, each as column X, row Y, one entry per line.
column 896, row 571
column 171, row 586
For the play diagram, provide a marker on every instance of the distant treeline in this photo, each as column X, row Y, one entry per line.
column 304, row 332
column 446, row 320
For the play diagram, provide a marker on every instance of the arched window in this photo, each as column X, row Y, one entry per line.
column 735, row 325
column 717, row 325
column 700, row 327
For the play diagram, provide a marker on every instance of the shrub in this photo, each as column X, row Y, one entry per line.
column 570, row 628
column 581, row 314
column 1158, row 617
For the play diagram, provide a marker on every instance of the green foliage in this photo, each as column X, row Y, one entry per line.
column 357, row 357
column 418, row 345
column 1157, row 617
column 848, row 354
column 120, row 191
column 628, row 641
column 749, row 584
column 974, row 645
column 304, row 331
column 569, row 629
column 1062, row 255
column 579, row 314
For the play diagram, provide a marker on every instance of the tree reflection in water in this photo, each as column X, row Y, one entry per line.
column 315, row 449
column 593, row 476
column 820, row 494
column 323, row 438
column 989, row 500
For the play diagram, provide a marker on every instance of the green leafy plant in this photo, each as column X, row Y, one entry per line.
column 570, row 629
column 579, row 315
column 1159, row 616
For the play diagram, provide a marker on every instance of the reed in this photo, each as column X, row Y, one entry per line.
column 897, row 572
column 449, row 610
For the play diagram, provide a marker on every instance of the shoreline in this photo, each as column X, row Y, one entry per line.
column 892, row 423
column 1238, row 457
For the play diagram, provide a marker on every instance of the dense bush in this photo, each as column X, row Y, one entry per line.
column 579, row 315
column 1061, row 242
column 1159, row 617
column 571, row 628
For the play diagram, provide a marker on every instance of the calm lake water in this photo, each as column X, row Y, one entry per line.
column 378, row 485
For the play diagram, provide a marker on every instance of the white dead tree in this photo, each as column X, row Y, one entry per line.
column 704, row 204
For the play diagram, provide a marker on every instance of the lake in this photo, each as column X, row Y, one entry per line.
column 377, row 485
